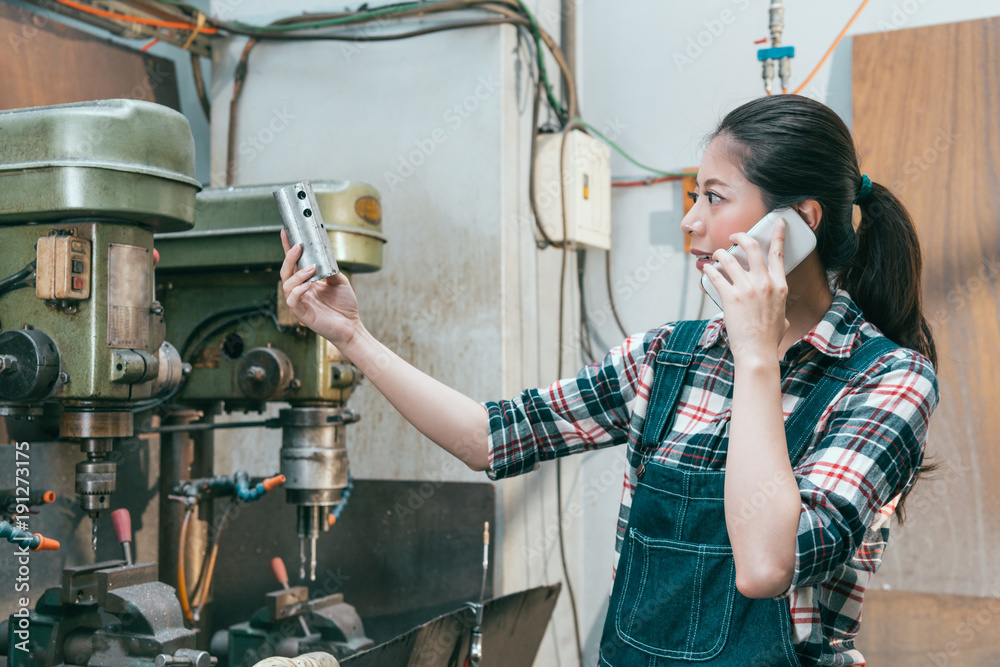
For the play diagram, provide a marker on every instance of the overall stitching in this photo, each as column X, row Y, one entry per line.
column 701, row 551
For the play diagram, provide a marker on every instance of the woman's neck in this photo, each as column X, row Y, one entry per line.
column 809, row 298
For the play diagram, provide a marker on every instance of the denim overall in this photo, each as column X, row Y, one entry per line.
column 674, row 600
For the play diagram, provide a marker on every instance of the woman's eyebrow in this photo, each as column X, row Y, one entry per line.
column 710, row 182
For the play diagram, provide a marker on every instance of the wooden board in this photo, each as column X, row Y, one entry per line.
column 927, row 124
column 44, row 62
column 903, row 629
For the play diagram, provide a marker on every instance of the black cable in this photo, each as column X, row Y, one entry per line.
column 222, row 326
column 361, row 37
column 239, row 310
column 562, row 307
column 588, row 355
column 18, row 280
column 611, row 295
column 199, row 85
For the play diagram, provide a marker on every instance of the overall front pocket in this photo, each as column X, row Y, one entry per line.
column 677, row 597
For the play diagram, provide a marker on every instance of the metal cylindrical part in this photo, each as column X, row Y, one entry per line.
column 303, row 224
column 312, row 520
column 95, row 482
column 265, row 374
column 313, row 455
column 776, row 21
column 31, row 365
column 88, row 423
column 171, row 371
column 97, row 445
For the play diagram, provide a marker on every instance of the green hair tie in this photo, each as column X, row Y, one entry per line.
column 865, row 190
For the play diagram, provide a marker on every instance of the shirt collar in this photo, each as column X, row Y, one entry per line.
column 833, row 335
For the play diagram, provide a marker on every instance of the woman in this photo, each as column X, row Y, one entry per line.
column 768, row 447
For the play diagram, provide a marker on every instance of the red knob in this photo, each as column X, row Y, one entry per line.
column 122, row 521
column 279, row 571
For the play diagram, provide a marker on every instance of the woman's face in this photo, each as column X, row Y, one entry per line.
column 724, row 203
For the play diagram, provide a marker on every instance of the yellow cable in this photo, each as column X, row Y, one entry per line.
column 194, row 33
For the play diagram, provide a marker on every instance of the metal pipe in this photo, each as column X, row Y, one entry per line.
column 567, row 39
column 210, row 426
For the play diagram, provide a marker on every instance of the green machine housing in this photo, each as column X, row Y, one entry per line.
column 232, row 325
column 83, row 187
column 243, row 347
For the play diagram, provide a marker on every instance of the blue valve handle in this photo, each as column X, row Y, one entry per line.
column 15, row 535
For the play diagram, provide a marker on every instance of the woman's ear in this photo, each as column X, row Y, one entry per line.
column 811, row 212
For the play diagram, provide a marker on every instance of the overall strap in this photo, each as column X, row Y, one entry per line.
column 802, row 422
column 671, row 366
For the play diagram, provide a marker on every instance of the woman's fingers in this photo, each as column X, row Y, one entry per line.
column 288, row 267
column 776, row 260
column 755, row 257
column 284, row 241
column 734, row 270
column 297, row 280
column 294, row 295
column 719, row 281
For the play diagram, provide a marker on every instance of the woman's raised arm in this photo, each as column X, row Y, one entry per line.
column 452, row 420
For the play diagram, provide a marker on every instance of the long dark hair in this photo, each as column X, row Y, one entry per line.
column 795, row 149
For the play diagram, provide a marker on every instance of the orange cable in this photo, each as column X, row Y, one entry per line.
column 135, row 19
column 181, row 581
column 209, row 572
column 828, row 51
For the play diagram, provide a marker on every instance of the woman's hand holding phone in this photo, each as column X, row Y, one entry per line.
column 754, row 303
column 330, row 308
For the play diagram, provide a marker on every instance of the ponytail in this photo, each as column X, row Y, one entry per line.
column 883, row 276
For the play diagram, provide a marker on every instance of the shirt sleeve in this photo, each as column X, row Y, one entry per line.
column 589, row 411
column 869, row 452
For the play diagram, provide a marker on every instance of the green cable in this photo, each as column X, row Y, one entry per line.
column 357, row 18
column 675, row 174
column 559, row 108
column 353, row 18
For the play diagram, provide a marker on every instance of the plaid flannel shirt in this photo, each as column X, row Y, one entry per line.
column 863, row 454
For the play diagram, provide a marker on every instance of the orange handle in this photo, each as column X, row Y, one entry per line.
column 279, row 571
column 49, row 496
column 122, row 522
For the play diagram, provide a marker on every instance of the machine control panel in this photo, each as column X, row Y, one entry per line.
column 63, row 268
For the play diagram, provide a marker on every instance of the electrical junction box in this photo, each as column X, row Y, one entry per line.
column 586, row 175
column 62, row 268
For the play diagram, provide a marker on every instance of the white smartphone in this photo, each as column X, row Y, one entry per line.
column 799, row 242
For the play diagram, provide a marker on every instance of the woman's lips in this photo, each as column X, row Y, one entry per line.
column 703, row 259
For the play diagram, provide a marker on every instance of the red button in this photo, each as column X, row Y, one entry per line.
column 77, row 284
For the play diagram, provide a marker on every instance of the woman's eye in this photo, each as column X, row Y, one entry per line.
column 716, row 199
column 693, row 196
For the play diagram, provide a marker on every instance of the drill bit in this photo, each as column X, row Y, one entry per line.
column 312, row 559
column 302, row 558
column 93, row 533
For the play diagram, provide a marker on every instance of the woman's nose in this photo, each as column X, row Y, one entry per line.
column 692, row 225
